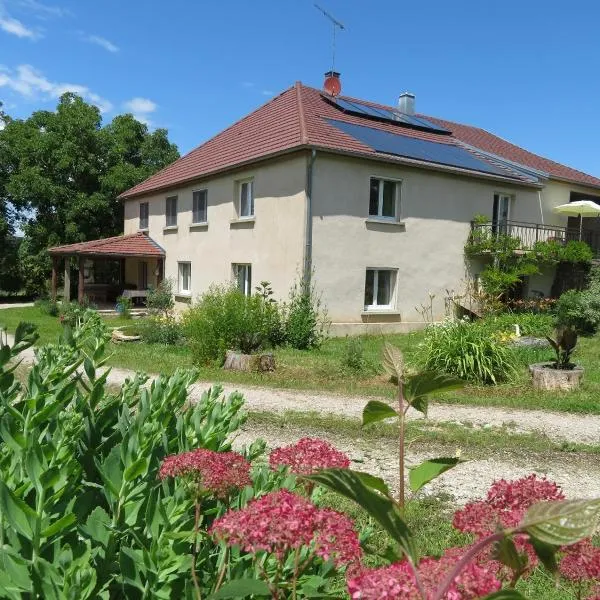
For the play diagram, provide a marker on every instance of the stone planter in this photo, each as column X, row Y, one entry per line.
column 546, row 377
column 119, row 336
column 236, row 361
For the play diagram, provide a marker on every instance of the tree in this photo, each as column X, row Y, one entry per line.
column 63, row 171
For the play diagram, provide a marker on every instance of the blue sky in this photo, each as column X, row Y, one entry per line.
column 526, row 70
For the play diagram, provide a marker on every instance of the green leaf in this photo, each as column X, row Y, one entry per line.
column 16, row 511
column 506, row 594
column 136, row 469
column 15, row 569
column 50, row 477
column 4, row 355
column 373, row 482
column 418, row 387
column 393, row 361
column 90, row 371
column 546, row 553
column 242, row 588
column 382, row 508
column 24, row 332
column 377, row 411
column 13, row 439
column 98, row 526
column 430, row 469
column 506, row 552
column 562, row 522
column 63, row 523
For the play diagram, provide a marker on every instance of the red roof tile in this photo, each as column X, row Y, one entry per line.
column 298, row 117
column 135, row 244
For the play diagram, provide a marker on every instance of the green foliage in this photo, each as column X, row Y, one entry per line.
column 306, row 323
column 225, row 319
column 48, row 307
column 83, row 513
column 158, row 329
column 353, row 359
column 64, row 171
column 500, row 278
column 563, row 345
column 580, row 310
column 124, row 305
column 530, row 323
column 467, row 351
column 160, row 299
column 555, row 252
column 428, row 470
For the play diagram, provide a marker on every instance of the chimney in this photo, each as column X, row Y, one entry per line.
column 332, row 84
column 406, row 103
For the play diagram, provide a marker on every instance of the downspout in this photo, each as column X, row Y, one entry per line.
column 541, row 209
column 309, row 219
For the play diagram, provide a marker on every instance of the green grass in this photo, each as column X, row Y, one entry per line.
column 322, row 370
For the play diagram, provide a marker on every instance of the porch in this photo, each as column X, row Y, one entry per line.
column 530, row 233
column 126, row 265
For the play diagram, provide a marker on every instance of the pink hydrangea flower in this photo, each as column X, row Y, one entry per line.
column 282, row 521
column 581, row 561
column 217, row 472
column 397, row 582
column 307, row 456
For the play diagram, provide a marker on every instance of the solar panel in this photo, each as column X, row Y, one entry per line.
column 402, row 145
column 362, row 110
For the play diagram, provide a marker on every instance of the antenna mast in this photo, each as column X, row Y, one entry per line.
column 335, row 24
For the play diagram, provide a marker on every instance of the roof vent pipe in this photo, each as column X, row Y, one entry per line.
column 406, row 103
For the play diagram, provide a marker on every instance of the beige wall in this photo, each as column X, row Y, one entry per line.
column 132, row 273
column 556, row 193
column 273, row 244
column 427, row 251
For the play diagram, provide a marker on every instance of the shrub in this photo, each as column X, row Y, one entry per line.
column 306, row 323
column 124, row 305
column 530, row 323
column 157, row 329
column 225, row 319
column 353, row 359
column 554, row 252
column 47, row 307
column 468, row 351
column 160, row 299
column 580, row 310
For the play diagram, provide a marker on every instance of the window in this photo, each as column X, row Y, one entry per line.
column 501, row 213
column 143, row 215
column 246, row 200
column 184, row 285
column 379, row 289
column 199, row 206
column 243, row 277
column 383, row 198
column 171, row 211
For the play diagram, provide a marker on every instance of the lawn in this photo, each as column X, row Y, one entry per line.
column 322, row 369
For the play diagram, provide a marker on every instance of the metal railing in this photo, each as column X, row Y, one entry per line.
column 530, row 233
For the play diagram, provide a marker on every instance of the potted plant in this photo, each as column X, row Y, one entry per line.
column 562, row 373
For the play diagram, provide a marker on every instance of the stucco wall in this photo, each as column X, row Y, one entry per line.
column 556, row 193
column 427, row 250
column 273, row 244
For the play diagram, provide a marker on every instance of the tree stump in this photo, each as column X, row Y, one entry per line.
column 545, row 377
column 236, row 361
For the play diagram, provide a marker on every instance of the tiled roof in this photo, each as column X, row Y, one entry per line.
column 135, row 244
column 298, row 117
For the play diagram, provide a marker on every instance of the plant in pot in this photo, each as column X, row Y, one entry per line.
column 562, row 373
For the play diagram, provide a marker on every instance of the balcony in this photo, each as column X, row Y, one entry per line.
column 528, row 234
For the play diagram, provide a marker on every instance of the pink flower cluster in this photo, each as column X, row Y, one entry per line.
column 282, row 521
column 581, row 562
column 216, row 472
column 307, row 456
column 505, row 504
column 398, row 581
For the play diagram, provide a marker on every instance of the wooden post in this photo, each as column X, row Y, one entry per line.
column 161, row 271
column 54, row 278
column 67, row 291
column 80, row 289
column 122, row 274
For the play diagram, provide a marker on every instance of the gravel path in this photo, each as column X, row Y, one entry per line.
column 15, row 305
column 577, row 473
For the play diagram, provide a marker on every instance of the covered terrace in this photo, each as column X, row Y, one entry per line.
column 109, row 267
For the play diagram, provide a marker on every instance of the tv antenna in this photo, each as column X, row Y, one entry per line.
column 335, row 24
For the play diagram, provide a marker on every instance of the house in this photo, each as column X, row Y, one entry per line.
column 374, row 202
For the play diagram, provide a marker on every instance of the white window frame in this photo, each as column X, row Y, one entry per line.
column 240, row 187
column 147, row 205
column 502, row 196
column 181, row 278
column 394, row 283
column 205, row 192
column 397, row 198
column 247, row 270
column 174, row 197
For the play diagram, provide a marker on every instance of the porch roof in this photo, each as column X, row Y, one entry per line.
column 120, row 246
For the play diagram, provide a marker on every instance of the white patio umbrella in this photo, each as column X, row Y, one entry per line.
column 579, row 208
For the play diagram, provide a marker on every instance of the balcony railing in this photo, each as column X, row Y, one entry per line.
column 530, row 233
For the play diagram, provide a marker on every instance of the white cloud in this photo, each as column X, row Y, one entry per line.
column 267, row 92
column 15, row 27
column 141, row 108
column 102, row 42
column 45, row 10
column 31, row 83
